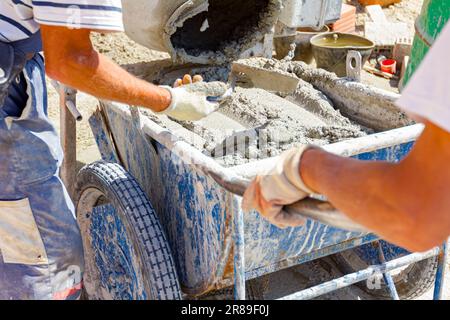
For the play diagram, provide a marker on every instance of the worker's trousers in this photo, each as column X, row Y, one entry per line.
column 41, row 253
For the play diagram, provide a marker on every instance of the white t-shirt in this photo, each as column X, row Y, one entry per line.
column 21, row 18
column 427, row 95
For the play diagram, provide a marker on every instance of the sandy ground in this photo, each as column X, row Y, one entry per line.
column 125, row 52
column 405, row 11
column 316, row 272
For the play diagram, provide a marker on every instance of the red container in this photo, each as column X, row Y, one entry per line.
column 389, row 66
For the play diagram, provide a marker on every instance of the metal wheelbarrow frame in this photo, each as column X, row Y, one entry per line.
column 391, row 145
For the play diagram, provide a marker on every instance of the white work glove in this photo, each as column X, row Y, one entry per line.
column 188, row 105
column 280, row 186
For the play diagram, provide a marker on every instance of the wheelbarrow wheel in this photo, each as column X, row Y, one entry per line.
column 411, row 282
column 126, row 252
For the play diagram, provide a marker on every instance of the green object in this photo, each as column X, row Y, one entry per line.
column 434, row 16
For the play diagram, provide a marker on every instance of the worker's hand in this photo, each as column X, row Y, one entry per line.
column 188, row 105
column 187, row 79
column 281, row 186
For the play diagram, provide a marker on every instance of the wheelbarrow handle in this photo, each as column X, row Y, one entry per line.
column 324, row 212
column 310, row 208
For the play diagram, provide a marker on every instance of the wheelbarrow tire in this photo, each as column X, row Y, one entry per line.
column 411, row 282
column 152, row 273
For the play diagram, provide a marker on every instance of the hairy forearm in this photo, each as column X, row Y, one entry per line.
column 365, row 191
column 97, row 75
column 405, row 203
column 72, row 60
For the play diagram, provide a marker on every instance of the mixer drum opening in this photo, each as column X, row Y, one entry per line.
column 228, row 26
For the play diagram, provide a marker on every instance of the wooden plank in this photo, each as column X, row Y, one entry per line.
column 267, row 79
column 68, row 140
column 380, row 73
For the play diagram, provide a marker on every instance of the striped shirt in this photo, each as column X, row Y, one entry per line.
column 21, row 18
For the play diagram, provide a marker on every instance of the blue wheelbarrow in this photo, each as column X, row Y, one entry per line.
column 162, row 220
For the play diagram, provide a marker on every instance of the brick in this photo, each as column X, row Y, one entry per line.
column 342, row 23
column 386, row 34
column 348, row 16
column 376, row 14
column 347, row 10
column 401, row 49
column 348, row 27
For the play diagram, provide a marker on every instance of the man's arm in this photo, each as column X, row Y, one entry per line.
column 406, row 203
column 71, row 59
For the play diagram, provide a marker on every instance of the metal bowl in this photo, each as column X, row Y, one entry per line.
column 330, row 50
column 303, row 51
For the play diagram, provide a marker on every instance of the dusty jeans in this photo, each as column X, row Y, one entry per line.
column 41, row 253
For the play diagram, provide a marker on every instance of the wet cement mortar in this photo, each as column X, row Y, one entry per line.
column 254, row 124
column 222, row 33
